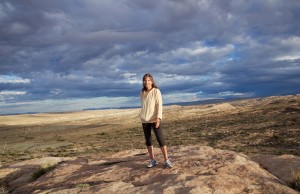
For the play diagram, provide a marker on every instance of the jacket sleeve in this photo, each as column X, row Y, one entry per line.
column 159, row 104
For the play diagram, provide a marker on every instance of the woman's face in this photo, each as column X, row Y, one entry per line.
column 148, row 83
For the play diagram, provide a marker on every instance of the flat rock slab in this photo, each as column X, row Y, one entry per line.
column 197, row 169
column 281, row 166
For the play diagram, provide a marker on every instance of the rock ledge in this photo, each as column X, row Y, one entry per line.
column 197, row 169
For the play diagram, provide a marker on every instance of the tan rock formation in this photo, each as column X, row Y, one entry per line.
column 281, row 166
column 19, row 174
column 197, row 169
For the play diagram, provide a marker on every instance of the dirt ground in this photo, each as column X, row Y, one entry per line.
column 262, row 125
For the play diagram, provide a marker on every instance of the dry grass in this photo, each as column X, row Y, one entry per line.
column 269, row 126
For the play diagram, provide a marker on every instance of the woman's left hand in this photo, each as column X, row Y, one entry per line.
column 157, row 122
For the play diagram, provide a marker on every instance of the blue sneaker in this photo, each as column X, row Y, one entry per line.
column 168, row 164
column 152, row 163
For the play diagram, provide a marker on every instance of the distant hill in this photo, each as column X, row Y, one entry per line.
column 191, row 103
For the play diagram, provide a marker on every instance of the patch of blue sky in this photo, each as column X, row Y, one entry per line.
column 234, row 55
column 210, row 43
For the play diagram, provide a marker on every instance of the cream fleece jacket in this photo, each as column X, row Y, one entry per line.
column 151, row 103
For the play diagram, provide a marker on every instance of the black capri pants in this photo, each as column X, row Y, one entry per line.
column 158, row 133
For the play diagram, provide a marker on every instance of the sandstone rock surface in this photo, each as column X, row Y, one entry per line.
column 281, row 166
column 197, row 169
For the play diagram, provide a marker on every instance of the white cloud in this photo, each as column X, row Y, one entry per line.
column 293, row 41
column 290, row 48
column 197, row 49
column 12, row 93
column 18, row 28
column 234, row 94
column 13, row 80
column 131, row 78
column 287, row 58
column 56, row 91
column 180, row 97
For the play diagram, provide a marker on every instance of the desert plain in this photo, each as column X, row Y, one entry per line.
column 254, row 127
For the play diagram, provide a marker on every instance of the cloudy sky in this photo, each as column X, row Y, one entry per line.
column 66, row 55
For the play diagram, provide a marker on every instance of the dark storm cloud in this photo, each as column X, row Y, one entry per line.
column 82, row 49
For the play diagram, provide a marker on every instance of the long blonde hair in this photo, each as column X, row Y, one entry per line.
column 151, row 78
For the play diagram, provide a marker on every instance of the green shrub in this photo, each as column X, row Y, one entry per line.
column 82, row 185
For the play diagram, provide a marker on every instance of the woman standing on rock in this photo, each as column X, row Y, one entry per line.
column 151, row 116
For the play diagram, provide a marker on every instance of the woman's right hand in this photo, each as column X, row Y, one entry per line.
column 157, row 122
